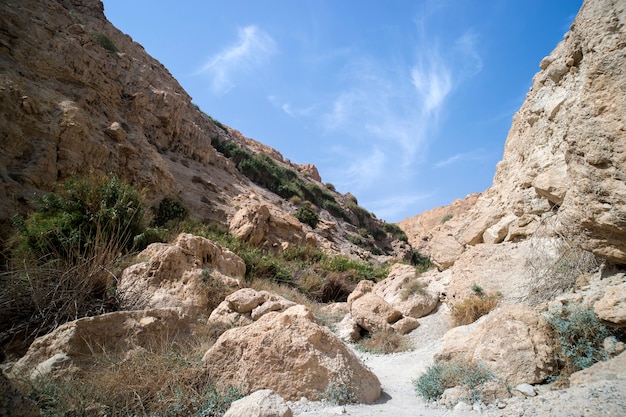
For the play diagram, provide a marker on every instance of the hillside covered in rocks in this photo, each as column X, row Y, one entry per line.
column 251, row 288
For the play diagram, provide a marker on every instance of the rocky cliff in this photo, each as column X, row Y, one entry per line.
column 78, row 96
column 564, row 165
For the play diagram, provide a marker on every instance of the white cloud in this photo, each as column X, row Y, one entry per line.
column 459, row 157
column 433, row 82
column 253, row 48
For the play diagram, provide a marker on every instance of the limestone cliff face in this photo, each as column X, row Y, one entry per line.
column 79, row 96
column 564, row 160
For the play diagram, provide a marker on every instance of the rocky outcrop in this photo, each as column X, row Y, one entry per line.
column 291, row 354
column 71, row 347
column 513, row 342
column 565, row 154
column 246, row 306
column 178, row 275
column 612, row 369
column 262, row 403
column 612, row 306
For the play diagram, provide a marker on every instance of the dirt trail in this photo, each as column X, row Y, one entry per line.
column 396, row 373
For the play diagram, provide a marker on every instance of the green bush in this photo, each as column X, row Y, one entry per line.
column 579, row 336
column 443, row 375
column 446, row 218
column 421, row 262
column 395, row 231
column 307, row 216
column 85, row 212
column 106, row 42
column 170, row 209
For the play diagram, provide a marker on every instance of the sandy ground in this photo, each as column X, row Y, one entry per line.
column 397, row 371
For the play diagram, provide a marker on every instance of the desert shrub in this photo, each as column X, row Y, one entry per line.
column 336, row 286
column 446, row 218
column 334, row 209
column 385, row 342
column 395, row 231
column 415, row 286
column 330, row 186
column 307, row 216
column 443, row 375
column 473, row 307
column 421, row 262
column 65, row 255
column 155, row 381
column 106, row 42
column 338, row 393
column 65, row 224
column 170, row 209
column 579, row 336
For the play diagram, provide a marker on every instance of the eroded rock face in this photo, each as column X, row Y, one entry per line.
column 291, row 354
column 513, row 342
column 565, row 154
column 175, row 275
column 612, row 306
column 71, row 346
column 405, row 291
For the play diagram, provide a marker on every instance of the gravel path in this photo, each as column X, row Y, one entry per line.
column 397, row 371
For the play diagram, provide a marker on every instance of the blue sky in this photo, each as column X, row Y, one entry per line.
column 406, row 103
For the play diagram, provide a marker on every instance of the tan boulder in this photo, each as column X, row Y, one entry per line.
column 71, row 347
column 612, row 369
column 363, row 287
column 405, row 325
column 612, row 306
column 374, row 314
column 251, row 224
column 247, row 305
column 262, row 403
column 175, row 275
column 445, row 249
column 404, row 291
column 291, row 354
column 513, row 342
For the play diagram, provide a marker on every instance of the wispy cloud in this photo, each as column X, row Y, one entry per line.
column 252, row 49
column 433, row 81
column 459, row 157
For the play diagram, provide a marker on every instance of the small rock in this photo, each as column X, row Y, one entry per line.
column 338, row 411
column 501, row 405
column 462, row 406
column 526, row 389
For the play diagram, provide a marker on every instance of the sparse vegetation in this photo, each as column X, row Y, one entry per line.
column 443, row 375
column 384, row 342
column 338, row 393
column 446, row 218
column 307, row 216
column 66, row 254
column 421, row 262
column 170, row 209
column 415, row 286
column 105, row 41
column 579, row 335
column 473, row 307
column 154, row 381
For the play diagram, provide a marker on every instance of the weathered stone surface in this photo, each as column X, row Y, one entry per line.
column 174, row 275
column 513, row 342
column 612, row 306
column 445, row 249
column 71, row 346
column 251, row 224
column 13, row 403
column 363, row 287
column 247, row 305
column 262, row 403
column 374, row 314
column 612, row 369
column 400, row 290
column 291, row 354
column 405, row 325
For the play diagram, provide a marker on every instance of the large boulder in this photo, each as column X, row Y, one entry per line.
column 374, row 314
column 514, row 342
column 177, row 275
column 71, row 347
column 291, row 354
column 612, row 369
column 406, row 292
column 262, row 403
column 612, row 306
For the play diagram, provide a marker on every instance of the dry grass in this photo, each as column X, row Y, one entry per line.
column 157, row 380
column 413, row 287
column 472, row 308
column 385, row 342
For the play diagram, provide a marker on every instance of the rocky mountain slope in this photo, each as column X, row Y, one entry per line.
column 545, row 244
column 77, row 96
